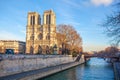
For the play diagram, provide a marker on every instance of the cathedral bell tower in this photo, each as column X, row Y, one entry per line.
column 33, row 21
column 49, row 23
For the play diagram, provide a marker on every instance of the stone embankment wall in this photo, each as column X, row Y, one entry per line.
column 12, row 64
column 116, row 67
column 51, row 70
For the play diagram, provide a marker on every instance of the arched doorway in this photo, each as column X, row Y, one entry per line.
column 47, row 50
column 39, row 49
column 31, row 50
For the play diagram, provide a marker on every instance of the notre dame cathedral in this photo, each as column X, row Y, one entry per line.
column 40, row 36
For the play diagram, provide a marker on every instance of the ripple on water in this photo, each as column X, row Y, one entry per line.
column 95, row 69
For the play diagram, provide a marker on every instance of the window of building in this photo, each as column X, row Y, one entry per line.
column 39, row 20
column 31, row 20
column 40, row 36
column 49, row 19
column 48, row 36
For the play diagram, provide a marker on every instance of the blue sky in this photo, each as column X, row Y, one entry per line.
column 84, row 15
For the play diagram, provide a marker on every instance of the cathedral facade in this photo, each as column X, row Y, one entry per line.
column 40, row 37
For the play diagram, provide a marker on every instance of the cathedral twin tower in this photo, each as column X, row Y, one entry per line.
column 40, row 36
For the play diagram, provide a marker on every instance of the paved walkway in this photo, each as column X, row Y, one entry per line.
column 33, row 72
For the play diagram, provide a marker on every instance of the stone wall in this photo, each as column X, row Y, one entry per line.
column 12, row 64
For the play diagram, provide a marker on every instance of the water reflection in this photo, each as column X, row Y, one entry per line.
column 95, row 69
column 69, row 74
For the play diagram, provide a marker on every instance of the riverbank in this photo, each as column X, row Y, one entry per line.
column 40, row 73
column 52, row 64
column 13, row 64
column 116, row 66
column 95, row 69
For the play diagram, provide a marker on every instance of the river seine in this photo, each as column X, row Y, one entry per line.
column 95, row 69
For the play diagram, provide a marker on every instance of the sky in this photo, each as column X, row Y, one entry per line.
column 85, row 15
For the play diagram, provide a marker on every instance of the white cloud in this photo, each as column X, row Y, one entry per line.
column 4, row 35
column 72, row 3
column 101, row 2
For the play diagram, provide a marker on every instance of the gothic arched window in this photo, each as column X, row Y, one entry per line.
column 40, row 36
column 47, row 19
column 48, row 36
column 39, row 20
column 33, row 20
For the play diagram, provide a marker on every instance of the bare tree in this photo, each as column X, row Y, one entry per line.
column 68, row 37
column 111, row 51
column 60, row 39
column 112, row 25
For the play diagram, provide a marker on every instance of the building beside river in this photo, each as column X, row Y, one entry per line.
column 40, row 37
column 16, row 46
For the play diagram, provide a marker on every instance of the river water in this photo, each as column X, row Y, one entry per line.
column 95, row 69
